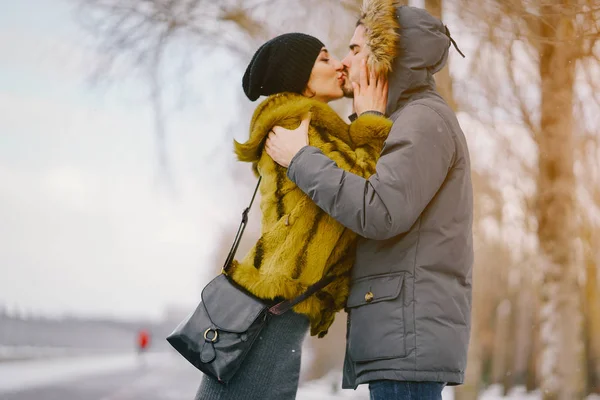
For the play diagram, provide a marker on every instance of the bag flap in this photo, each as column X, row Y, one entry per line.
column 374, row 289
column 229, row 307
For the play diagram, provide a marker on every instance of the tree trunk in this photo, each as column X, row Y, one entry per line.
column 501, row 342
column 523, row 334
column 511, row 344
column 561, row 322
column 532, row 382
column 591, row 310
column 443, row 79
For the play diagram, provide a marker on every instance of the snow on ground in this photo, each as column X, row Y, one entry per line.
column 494, row 392
column 17, row 375
column 329, row 388
column 27, row 374
column 13, row 353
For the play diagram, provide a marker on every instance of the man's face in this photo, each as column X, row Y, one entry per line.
column 358, row 51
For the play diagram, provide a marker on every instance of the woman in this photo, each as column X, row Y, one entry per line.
column 299, row 244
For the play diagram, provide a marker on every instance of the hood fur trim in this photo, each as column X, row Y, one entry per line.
column 382, row 33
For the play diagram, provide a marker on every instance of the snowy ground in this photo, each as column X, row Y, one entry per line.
column 20, row 375
column 328, row 388
column 13, row 353
column 163, row 376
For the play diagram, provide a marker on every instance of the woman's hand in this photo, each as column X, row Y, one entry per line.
column 371, row 94
column 283, row 144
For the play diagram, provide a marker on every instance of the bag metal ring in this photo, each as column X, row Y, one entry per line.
column 214, row 338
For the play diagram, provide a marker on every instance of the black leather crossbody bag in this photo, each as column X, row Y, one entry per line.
column 218, row 335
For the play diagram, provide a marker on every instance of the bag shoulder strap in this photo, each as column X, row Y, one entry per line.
column 240, row 232
column 286, row 305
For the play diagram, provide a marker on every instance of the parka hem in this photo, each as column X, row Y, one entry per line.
column 450, row 378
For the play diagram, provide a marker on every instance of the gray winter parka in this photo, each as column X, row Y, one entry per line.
column 410, row 300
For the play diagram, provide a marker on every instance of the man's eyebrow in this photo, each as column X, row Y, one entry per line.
column 354, row 46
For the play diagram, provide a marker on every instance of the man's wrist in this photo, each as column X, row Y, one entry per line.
column 297, row 155
column 293, row 162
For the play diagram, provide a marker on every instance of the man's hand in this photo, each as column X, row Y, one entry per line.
column 283, row 144
column 371, row 94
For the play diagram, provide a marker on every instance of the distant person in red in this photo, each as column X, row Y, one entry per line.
column 143, row 344
column 143, row 340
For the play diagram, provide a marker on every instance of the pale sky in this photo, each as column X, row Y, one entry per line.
column 86, row 226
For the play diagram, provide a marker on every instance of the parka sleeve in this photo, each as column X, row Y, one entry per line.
column 414, row 163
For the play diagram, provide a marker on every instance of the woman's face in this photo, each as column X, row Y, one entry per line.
column 326, row 79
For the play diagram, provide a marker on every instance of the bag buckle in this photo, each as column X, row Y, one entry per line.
column 214, row 338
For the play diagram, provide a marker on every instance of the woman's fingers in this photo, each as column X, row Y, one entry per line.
column 356, row 89
column 363, row 73
column 268, row 144
column 372, row 77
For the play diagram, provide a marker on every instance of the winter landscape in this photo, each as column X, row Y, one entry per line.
column 81, row 360
column 120, row 193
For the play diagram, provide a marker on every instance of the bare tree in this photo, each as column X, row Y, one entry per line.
column 561, row 378
column 136, row 36
column 538, row 44
column 588, row 172
column 442, row 78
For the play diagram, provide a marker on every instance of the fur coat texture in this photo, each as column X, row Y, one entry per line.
column 300, row 243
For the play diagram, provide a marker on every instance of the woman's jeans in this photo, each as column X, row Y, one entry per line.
column 396, row 390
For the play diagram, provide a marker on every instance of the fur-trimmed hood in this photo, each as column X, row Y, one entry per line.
column 422, row 44
column 382, row 36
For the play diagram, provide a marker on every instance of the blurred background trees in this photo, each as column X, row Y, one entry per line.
column 528, row 98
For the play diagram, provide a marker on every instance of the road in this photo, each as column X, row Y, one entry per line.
column 164, row 377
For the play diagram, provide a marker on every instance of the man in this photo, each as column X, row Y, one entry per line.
column 409, row 306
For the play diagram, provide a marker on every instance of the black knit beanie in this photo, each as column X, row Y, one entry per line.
column 283, row 64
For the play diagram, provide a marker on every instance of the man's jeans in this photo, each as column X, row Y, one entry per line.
column 396, row 390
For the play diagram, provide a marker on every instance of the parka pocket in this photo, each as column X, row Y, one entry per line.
column 376, row 318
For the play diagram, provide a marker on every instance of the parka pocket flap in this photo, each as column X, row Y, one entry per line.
column 374, row 289
column 229, row 307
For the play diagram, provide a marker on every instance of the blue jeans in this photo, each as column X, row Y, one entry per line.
column 396, row 390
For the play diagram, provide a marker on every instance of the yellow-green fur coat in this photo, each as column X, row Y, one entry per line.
column 299, row 242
